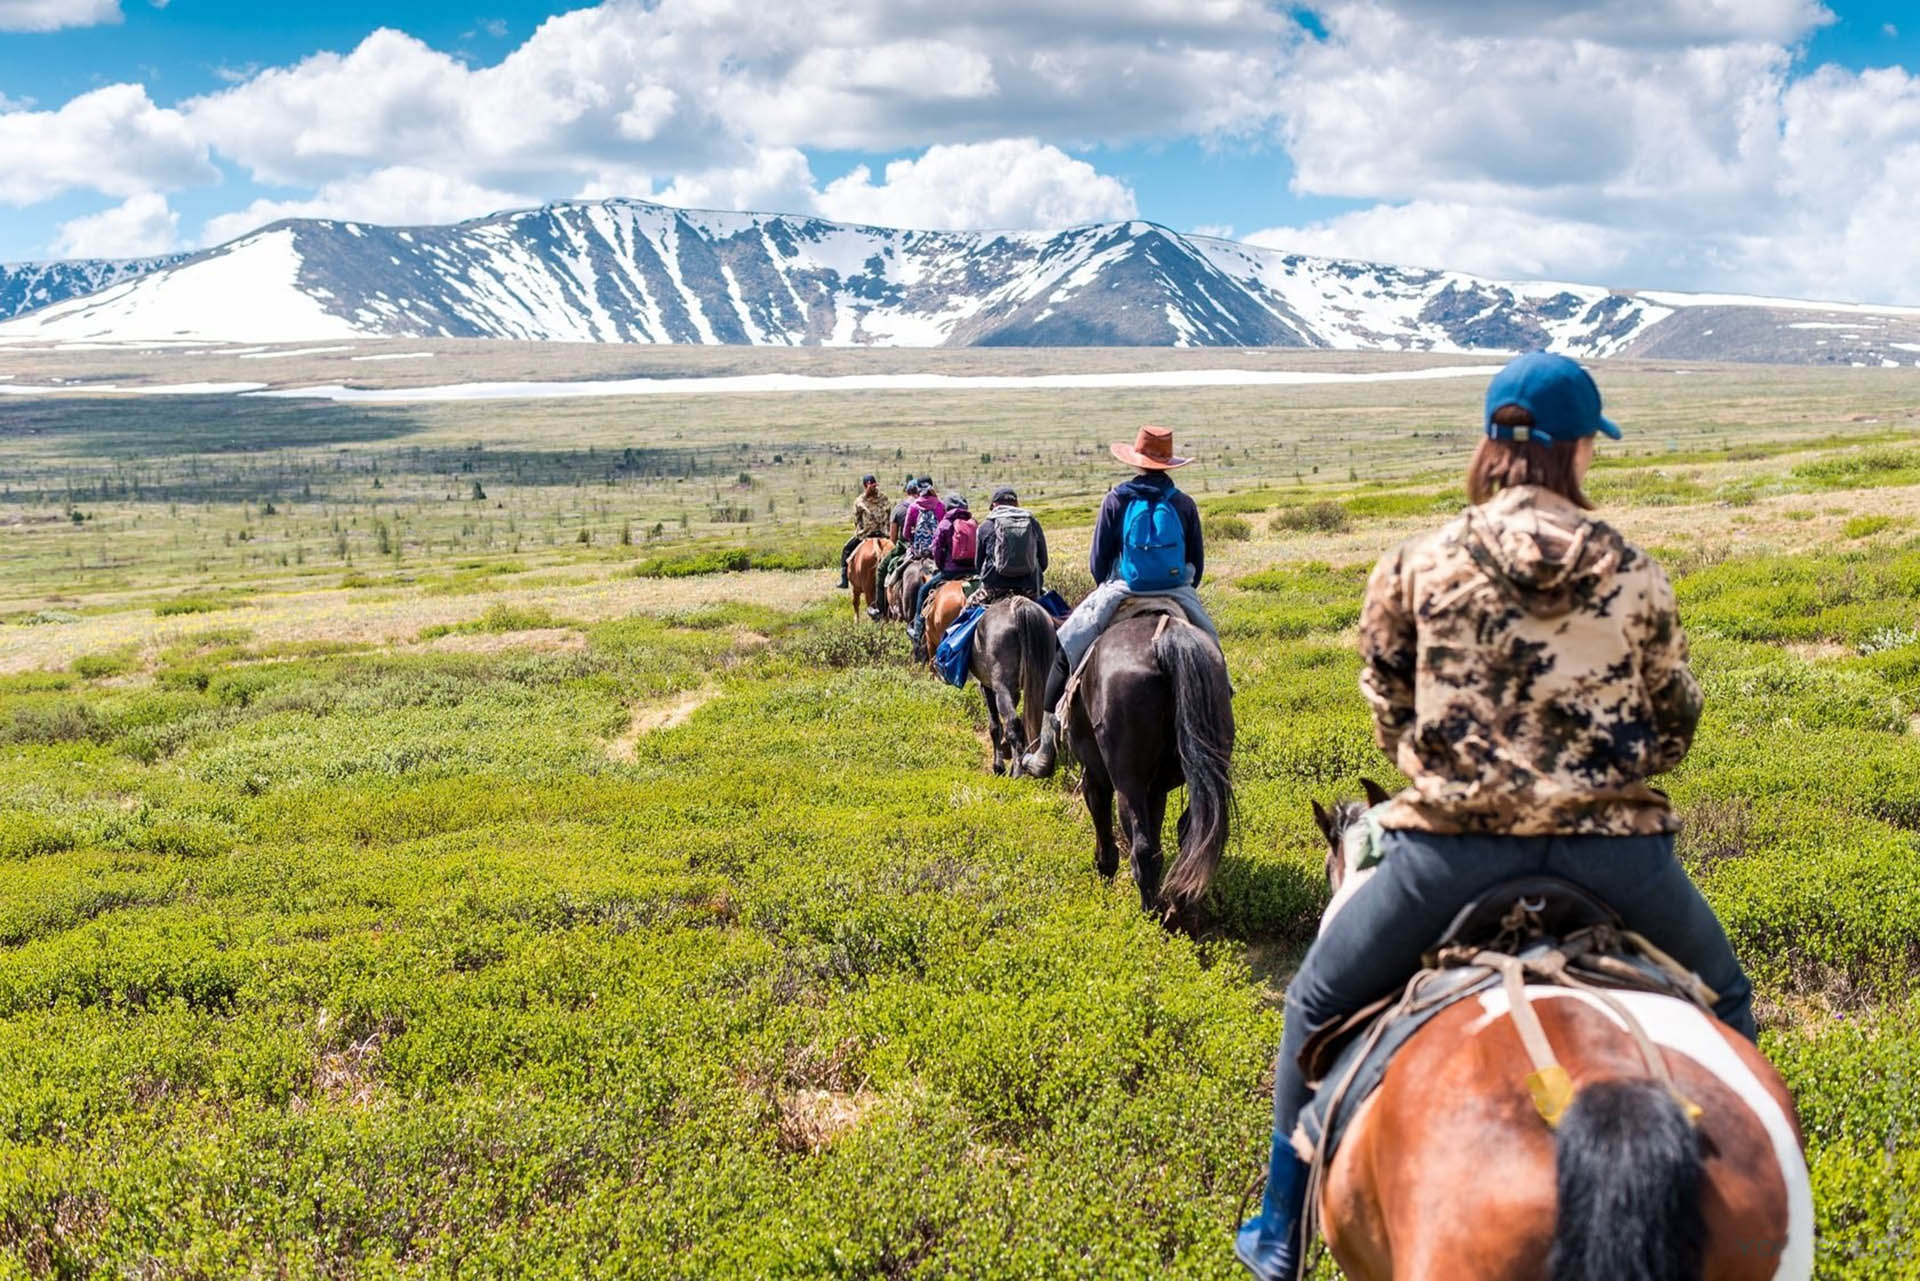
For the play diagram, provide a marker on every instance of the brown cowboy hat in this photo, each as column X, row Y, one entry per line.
column 1152, row 449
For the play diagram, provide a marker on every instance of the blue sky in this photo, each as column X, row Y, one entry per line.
column 1658, row 143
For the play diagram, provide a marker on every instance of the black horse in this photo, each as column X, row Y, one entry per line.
column 1154, row 710
column 1013, row 648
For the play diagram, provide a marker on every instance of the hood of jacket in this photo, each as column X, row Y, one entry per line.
column 1148, row 485
column 1545, row 554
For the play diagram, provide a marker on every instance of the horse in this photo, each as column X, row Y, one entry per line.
column 1013, row 648
column 944, row 604
column 902, row 590
column 1153, row 710
column 1448, row 1171
column 862, row 567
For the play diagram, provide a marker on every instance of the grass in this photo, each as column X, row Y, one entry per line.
column 337, row 938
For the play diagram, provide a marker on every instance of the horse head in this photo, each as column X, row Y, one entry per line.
column 1334, row 824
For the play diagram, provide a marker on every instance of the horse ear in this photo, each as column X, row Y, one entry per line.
column 1324, row 819
column 1376, row 794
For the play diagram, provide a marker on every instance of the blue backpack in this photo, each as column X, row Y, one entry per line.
column 1153, row 547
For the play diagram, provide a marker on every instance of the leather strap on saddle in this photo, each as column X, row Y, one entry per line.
column 1549, row 1084
column 1132, row 607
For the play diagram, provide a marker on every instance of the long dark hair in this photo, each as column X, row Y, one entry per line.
column 1502, row 464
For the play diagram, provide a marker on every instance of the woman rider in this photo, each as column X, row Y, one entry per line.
column 1527, row 671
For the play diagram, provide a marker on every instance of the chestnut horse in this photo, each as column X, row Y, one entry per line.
column 1447, row 1172
column 944, row 604
column 1153, row 710
column 862, row 566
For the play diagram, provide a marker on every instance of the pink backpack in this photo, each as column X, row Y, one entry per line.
column 966, row 540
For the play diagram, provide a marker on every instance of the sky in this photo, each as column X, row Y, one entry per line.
column 1754, row 146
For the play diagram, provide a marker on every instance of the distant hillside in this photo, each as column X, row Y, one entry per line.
column 630, row 271
column 27, row 286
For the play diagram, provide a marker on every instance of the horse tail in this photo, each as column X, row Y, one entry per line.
column 1629, row 1172
column 1037, row 643
column 1203, row 732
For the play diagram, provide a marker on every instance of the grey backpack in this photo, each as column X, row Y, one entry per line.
column 1016, row 543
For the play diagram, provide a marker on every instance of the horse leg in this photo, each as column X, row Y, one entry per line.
column 996, row 729
column 1143, row 843
column 1098, row 790
column 1008, row 737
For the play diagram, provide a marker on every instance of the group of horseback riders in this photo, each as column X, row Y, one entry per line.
column 1006, row 552
column 1525, row 669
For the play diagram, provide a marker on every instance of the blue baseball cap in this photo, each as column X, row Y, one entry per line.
column 1558, row 393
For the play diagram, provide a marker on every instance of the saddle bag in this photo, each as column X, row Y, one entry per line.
column 954, row 658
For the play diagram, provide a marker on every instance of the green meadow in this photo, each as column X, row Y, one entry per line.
column 567, row 886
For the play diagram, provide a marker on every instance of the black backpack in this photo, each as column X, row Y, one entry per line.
column 1016, row 544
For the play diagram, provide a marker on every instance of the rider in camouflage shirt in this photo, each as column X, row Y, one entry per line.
column 1548, row 667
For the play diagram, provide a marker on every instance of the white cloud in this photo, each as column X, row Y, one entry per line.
column 775, row 180
column 1676, row 148
column 139, row 227
column 1491, row 242
column 1011, row 183
column 113, row 140
column 52, row 15
column 1623, row 22
column 1217, row 230
column 399, row 195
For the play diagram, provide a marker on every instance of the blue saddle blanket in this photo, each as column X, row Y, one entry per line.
column 954, row 658
column 1054, row 603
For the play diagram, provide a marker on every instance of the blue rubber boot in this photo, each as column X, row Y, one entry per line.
column 1269, row 1244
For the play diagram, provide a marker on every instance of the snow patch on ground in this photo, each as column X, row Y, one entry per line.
column 791, row 383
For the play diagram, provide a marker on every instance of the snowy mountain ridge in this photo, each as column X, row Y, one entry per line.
column 632, row 271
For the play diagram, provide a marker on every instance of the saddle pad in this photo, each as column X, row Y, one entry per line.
column 1364, row 1060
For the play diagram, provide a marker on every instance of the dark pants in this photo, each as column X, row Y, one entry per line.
column 927, row 585
column 1374, row 943
column 994, row 587
column 846, row 554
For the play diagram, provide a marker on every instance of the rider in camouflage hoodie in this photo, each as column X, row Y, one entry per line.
column 1527, row 671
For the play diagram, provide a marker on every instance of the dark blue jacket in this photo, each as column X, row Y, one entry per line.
column 1106, row 530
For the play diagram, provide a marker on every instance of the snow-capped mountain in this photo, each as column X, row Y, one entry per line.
column 27, row 286
column 630, row 271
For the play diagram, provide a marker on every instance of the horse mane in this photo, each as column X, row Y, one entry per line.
column 1629, row 1172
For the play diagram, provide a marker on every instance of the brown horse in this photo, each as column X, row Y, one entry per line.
column 902, row 590
column 1013, row 651
column 862, row 566
column 944, row 604
column 1154, row 710
column 1448, row 1172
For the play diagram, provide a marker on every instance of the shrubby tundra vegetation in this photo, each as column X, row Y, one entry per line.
column 495, row 901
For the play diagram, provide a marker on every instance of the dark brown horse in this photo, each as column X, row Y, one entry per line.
column 901, row 592
column 862, row 568
column 1448, row 1172
column 1013, row 648
column 1154, row 710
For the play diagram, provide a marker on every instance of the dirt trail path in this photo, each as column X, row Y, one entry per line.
column 662, row 714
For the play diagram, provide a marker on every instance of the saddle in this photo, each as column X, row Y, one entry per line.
column 1533, row 930
column 1169, row 613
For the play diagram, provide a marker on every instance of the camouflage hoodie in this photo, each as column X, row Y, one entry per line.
column 1527, row 671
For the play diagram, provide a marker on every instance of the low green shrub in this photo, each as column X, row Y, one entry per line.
column 1313, row 518
column 1233, row 529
